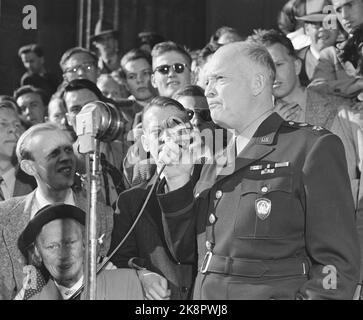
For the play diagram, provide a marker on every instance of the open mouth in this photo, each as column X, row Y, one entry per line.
column 66, row 170
column 277, row 84
column 173, row 83
column 213, row 105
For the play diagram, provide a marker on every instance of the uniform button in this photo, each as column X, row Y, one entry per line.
column 219, row 194
column 197, row 195
column 212, row 218
column 184, row 289
column 208, row 245
column 264, row 189
column 291, row 123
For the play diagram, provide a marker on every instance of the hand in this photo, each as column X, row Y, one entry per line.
column 179, row 156
column 155, row 286
column 288, row 111
column 84, row 181
column 137, row 131
column 358, row 106
column 110, row 266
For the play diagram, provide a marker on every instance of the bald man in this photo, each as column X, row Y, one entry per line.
column 275, row 220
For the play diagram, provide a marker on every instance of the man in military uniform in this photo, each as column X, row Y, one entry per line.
column 277, row 220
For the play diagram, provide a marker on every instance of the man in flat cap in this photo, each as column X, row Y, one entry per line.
column 105, row 40
column 45, row 152
column 54, row 242
column 322, row 35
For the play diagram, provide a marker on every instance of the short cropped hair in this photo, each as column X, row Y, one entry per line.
column 258, row 54
column 34, row 48
column 149, row 37
column 189, row 91
column 70, row 52
column 135, row 54
column 270, row 37
column 12, row 101
column 163, row 103
column 22, row 147
column 8, row 105
column 79, row 84
column 221, row 31
column 208, row 50
column 168, row 46
column 31, row 89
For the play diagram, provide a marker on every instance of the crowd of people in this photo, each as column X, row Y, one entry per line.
column 244, row 159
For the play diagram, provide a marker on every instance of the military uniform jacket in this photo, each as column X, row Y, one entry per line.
column 278, row 224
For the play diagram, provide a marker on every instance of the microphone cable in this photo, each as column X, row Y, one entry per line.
column 107, row 259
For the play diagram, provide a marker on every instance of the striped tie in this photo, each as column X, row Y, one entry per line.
column 2, row 198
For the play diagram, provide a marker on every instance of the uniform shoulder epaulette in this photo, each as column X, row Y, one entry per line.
column 318, row 130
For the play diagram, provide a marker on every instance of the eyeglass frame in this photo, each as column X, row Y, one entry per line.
column 83, row 66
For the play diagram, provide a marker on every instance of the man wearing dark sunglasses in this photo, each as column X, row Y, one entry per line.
column 193, row 99
column 171, row 68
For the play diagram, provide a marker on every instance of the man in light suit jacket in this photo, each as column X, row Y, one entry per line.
column 45, row 152
column 54, row 240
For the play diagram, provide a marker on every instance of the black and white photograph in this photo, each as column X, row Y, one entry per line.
column 198, row 151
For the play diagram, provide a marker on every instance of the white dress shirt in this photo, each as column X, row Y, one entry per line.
column 246, row 135
column 41, row 201
column 65, row 292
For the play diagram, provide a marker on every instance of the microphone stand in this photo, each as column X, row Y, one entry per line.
column 93, row 160
column 90, row 146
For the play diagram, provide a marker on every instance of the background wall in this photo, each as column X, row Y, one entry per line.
column 190, row 22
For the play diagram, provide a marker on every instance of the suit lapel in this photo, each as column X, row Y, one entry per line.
column 23, row 183
column 19, row 217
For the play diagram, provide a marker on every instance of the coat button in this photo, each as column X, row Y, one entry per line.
column 212, row 218
column 264, row 189
column 197, row 195
column 219, row 194
column 184, row 289
column 208, row 245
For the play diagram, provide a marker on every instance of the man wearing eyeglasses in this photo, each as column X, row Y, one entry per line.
column 79, row 63
column 171, row 68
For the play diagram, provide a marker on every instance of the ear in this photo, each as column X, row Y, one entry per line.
column 126, row 85
column 68, row 118
column 153, row 81
column 258, row 84
column 37, row 258
column 145, row 143
column 298, row 66
column 28, row 167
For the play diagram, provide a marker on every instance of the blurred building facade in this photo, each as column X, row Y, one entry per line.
column 62, row 24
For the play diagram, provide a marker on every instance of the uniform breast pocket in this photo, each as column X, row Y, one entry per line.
column 266, row 209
